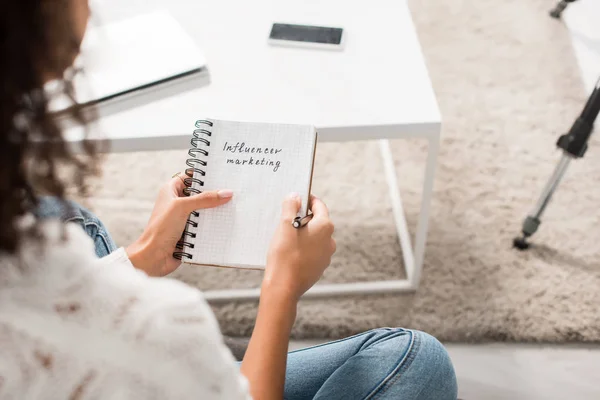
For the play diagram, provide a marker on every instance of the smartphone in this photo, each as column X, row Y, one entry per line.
column 321, row 37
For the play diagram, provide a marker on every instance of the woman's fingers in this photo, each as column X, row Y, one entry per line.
column 321, row 220
column 208, row 199
column 177, row 184
column 318, row 208
column 290, row 207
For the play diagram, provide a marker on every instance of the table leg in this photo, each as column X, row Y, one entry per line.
column 423, row 223
column 397, row 209
column 413, row 256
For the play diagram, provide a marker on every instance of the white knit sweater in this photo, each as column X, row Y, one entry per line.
column 73, row 326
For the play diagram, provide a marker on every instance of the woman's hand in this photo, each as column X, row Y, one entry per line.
column 298, row 257
column 296, row 261
column 153, row 251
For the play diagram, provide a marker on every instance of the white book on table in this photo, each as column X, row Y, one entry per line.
column 261, row 163
column 135, row 61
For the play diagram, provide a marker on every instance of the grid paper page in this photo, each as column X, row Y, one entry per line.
column 261, row 164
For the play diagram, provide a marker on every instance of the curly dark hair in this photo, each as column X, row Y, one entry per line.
column 38, row 42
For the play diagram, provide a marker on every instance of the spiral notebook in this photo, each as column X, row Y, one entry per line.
column 262, row 164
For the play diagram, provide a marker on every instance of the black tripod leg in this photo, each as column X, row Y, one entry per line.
column 574, row 145
column 557, row 11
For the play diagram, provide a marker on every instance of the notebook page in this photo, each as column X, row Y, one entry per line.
column 261, row 164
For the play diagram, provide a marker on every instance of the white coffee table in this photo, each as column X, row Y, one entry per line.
column 377, row 88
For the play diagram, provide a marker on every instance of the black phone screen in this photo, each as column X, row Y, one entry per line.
column 306, row 33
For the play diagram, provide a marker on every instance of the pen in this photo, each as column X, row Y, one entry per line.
column 299, row 222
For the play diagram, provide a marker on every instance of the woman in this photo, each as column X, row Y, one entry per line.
column 81, row 319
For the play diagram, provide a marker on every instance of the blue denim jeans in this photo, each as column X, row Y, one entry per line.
column 385, row 363
column 69, row 211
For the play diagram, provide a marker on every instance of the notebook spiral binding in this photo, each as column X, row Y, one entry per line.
column 201, row 139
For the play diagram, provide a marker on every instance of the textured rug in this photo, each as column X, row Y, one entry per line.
column 508, row 85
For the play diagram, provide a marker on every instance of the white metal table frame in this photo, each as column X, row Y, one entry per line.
column 412, row 256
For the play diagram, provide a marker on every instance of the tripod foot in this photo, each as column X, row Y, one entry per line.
column 530, row 226
column 520, row 243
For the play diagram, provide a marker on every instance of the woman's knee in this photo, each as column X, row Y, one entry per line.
column 420, row 365
column 65, row 210
column 434, row 363
column 69, row 211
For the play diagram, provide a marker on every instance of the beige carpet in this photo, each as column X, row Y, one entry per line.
column 507, row 85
